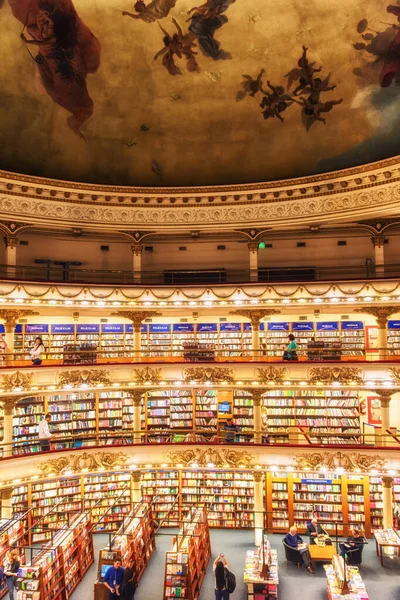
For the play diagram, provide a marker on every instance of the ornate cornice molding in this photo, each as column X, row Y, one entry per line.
column 211, row 374
column 12, row 316
column 207, row 456
column 381, row 313
column 330, row 375
column 275, row 375
column 255, row 315
column 349, row 461
column 89, row 377
column 147, row 375
column 16, row 380
column 74, row 463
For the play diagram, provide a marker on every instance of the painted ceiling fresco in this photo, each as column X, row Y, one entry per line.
column 179, row 92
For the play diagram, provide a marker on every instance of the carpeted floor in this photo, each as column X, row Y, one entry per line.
column 381, row 583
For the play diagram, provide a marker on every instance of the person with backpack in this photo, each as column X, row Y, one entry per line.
column 225, row 581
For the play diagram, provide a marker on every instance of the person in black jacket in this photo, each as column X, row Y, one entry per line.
column 314, row 529
column 11, row 566
column 128, row 584
column 355, row 541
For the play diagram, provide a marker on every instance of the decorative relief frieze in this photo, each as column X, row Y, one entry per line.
column 210, row 456
column 75, row 463
column 16, row 380
column 90, row 377
column 331, row 375
column 211, row 374
column 349, row 461
column 276, row 375
column 147, row 375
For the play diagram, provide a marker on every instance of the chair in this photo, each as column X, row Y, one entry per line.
column 292, row 554
column 354, row 557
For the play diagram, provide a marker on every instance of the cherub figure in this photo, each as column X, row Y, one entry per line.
column 311, row 111
column 157, row 9
column 205, row 20
column 273, row 104
column 250, row 86
column 180, row 45
column 304, row 74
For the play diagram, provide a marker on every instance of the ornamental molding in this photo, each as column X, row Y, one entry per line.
column 12, row 316
column 211, row 374
column 395, row 373
column 147, row 375
column 331, row 375
column 204, row 457
column 15, row 380
column 255, row 315
column 381, row 313
column 90, row 377
column 349, row 461
column 85, row 461
column 136, row 316
column 277, row 375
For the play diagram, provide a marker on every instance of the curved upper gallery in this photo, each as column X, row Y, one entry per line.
column 177, row 93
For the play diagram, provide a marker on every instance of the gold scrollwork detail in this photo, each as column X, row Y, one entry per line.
column 395, row 375
column 15, row 380
column 349, row 461
column 210, row 456
column 276, row 374
column 88, row 377
column 90, row 462
column 147, row 375
column 330, row 375
column 211, row 374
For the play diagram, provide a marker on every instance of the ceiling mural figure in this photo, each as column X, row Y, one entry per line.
column 65, row 51
column 157, row 9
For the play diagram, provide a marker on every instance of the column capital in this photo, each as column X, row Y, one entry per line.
column 6, row 493
column 255, row 315
column 12, row 316
column 136, row 316
column 11, row 241
column 137, row 397
column 257, row 395
column 387, row 482
column 258, row 476
column 381, row 313
column 378, row 241
column 137, row 249
column 136, row 476
column 384, row 396
column 8, row 405
column 253, row 247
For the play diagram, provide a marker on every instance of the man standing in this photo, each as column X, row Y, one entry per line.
column 44, row 433
column 113, row 580
column 231, row 429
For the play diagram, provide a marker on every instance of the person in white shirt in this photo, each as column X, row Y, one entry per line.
column 37, row 352
column 44, row 433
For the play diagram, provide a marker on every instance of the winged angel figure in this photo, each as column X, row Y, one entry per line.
column 155, row 10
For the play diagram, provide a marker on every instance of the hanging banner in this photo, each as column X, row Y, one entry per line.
column 67, row 328
column 355, row 325
column 36, row 328
column 278, row 326
column 160, row 328
column 394, row 324
column 88, row 328
column 112, row 328
column 230, row 327
column 328, row 326
column 129, row 328
column 303, row 326
column 205, row 327
column 183, row 327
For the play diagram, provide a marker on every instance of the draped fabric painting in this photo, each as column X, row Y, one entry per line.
column 176, row 92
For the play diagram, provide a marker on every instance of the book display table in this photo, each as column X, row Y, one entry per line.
column 321, row 553
column 386, row 538
column 355, row 586
column 261, row 586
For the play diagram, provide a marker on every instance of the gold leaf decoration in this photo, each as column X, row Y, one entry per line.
column 75, row 463
column 89, row 377
column 147, row 374
column 277, row 375
column 212, row 374
column 16, row 380
column 203, row 457
column 349, row 461
column 395, row 375
column 329, row 375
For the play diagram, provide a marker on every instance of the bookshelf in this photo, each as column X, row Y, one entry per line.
column 274, row 340
column 187, row 562
column 376, row 503
column 232, row 504
column 393, row 337
column 108, row 495
column 322, row 497
column 168, row 414
column 206, row 413
column 278, row 490
column 161, row 488
column 230, row 339
column 243, row 415
column 182, row 334
column 112, row 341
column 160, row 339
column 304, row 333
column 352, row 338
column 358, row 503
column 207, row 333
column 28, row 412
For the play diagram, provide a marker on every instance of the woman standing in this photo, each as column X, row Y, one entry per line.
column 11, row 566
column 291, row 349
column 37, row 351
column 220, row 568
column 128, row 584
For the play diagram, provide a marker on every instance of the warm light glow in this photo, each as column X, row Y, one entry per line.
column 302, row 300
column 254, row 383
column 177, row 303
column 210, row 465
column 368, row 298
column 335, row 300
column 116, row 303
column 68, row 302
column 53, row 302
column 100, row 303
column 351, row 299
column 84, row 302
column 317, row 300
column 177, row 382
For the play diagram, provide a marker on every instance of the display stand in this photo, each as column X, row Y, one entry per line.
column 196, row 352
column 134, row 543
column 186, row 563
column 261, row 572
column 386, row 538
column 344, row 581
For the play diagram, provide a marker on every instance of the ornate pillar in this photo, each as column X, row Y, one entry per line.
column 378, row 243
column 137, row 416
column 136, row 489
column 385, row 397
column 8, row 407
column 253, row 255
column 11, row 242
column 257, row 418
column 11, row 318
column 381, row 314
column 136, row 317
column 387, row 483
column 6, row 506
column 258, row 506
column 255, row 317
column 137, row 250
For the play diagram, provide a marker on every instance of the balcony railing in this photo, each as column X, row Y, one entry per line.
column 71, row 274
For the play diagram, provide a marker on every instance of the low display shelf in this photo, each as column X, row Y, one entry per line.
column 261, row 573
column 344, row 582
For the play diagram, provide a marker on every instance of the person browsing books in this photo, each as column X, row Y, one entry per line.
column 230, row 428
column 11, row 566
column 291, row 349
column 220, row 568
column 44, row 433
column 294, row 540
column 114, row 579
column 128, row 584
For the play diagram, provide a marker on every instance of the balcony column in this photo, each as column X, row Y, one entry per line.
column 137, row 250
column 258, row 507
column 137, row 416
column 136, row 494
column 381, row 314
column 8, row 407
column 11, row 318
column 387, row 493
column 11, row 242
column 6, row 506
column 253, row 256
column 257, row 418
column 255, row 317
column 385, row 396
column 378, row 243
column 136, row 317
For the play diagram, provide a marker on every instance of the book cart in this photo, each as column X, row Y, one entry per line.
column 186, row 563
column 12, row 534
column 58, row 568
column 261, row 572
column 134, row 543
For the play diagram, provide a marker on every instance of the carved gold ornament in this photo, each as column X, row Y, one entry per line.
column 148, row 374
column 210, row 456
column 381, row 313
column 15, row 380
column 395, row 375
column 136, row 316
column 211, row 374
column 349, row 461
column 276, row 374
column 330, row 375
column 88, row 462
column 255, row 315
column 89, row 377
column 12, row 316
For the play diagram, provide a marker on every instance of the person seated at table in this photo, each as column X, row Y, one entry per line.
column 314, row 529
column 355, row 541
column 294, row 540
